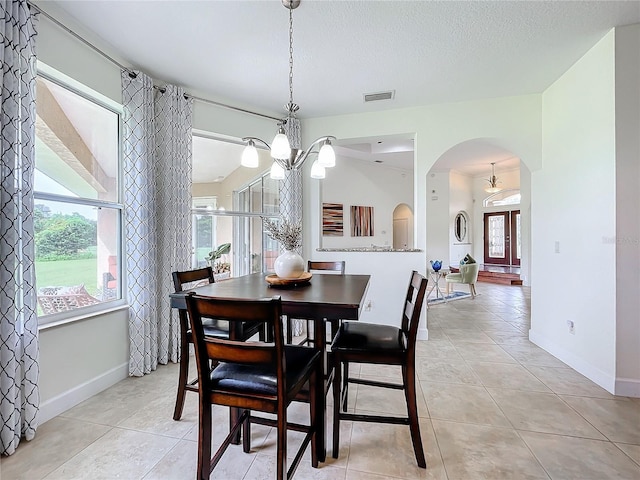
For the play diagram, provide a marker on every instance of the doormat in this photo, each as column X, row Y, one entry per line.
column 451, row 297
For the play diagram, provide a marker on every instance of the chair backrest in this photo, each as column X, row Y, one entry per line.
column 469, row 272
column 197, row 276
column 327, row 266
column 413, row 307
column 267, row 310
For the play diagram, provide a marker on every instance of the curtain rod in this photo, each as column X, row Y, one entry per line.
column 133, row 74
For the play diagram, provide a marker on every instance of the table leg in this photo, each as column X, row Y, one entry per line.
column 320, row 342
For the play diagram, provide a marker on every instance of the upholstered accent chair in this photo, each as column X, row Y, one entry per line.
column 468, row 274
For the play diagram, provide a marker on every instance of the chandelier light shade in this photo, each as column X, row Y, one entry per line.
column 493, row 181
column 317, row 170
column 327, row 157
column 250, row 156
column 277, row 172
column 280, row 147
column 284, row 157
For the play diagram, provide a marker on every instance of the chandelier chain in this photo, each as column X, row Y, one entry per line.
column 291, row 107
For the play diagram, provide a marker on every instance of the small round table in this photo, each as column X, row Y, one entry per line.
column 435, row 278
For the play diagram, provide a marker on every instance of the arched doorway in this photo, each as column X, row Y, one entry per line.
column 402, row 227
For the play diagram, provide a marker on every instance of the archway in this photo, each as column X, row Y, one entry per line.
column 456, row 183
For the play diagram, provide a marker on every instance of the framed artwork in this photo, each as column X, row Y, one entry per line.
column 332, row 219
column 361, row 221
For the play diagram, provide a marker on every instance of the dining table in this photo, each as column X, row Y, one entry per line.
column 322, row 298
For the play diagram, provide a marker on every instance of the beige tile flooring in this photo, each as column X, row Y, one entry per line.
column 492, row 406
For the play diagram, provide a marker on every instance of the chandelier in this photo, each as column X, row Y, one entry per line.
column 285, row 157
column 493, row 181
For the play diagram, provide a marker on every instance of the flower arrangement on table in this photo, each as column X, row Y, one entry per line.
column 289, row 234
column 288, row 265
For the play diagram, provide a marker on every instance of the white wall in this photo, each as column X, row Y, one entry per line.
column 438, row 221
column 460, row 200
column 80, row 359
column 525, row 225
column 357, row 183
column 627, row 182
column 574, row 206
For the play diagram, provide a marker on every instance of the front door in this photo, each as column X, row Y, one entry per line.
column 502, row 238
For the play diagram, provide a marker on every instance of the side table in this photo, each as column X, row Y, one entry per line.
column 435, row 279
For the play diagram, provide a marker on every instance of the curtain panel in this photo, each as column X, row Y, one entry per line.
column 291, row 197
column 19, row 394
column 157, row 185
column 173, row 180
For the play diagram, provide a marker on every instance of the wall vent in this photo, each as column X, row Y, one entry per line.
column 374, row 97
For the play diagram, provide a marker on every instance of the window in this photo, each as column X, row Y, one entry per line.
column 229, row 202
column 258, row 251
column 504, row 197
column 77, row 201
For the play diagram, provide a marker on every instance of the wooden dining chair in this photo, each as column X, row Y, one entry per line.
column 253, row 376
column 318, row 266
column 380, row 344
column 212, row 328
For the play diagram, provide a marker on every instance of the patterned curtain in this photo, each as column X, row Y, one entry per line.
column 173, row 179
column 157, row 183
column 19, row 394
column 291, row 185
column 291, row 197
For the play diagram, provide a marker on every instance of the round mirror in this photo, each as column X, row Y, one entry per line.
column 460, row 226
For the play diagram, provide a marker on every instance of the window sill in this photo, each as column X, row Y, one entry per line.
column 85, row 314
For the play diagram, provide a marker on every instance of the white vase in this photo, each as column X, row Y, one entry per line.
column 289, row 265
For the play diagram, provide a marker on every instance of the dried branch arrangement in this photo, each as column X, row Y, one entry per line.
column 289, row 234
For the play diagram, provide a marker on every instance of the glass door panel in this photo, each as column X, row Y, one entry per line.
column 496, row 238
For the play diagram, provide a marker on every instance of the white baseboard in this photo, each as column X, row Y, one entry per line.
column 66, row 400
column 628, row 387
column 594, row 374
column 423, row 334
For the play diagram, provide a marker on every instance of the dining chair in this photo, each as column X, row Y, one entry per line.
column 213, row 328
column 318, row 266
column 259, row 376
column 368, row 343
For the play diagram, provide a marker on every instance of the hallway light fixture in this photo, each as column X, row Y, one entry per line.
column 285, row 157
column 493, row 181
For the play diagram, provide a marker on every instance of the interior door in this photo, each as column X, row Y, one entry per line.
column 400, row 233
column 502, row 238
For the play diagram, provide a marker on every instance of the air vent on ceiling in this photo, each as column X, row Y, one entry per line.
column 374, row 97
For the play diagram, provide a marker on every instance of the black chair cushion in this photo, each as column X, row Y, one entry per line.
column 261, row 379
column 368, row 338
column 214, row 328
column 220, row 328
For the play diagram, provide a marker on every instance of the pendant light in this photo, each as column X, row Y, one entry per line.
column 285, row 157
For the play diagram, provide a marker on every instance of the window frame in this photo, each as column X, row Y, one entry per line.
column 120, row 302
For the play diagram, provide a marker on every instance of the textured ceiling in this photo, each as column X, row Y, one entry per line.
column 428, row 52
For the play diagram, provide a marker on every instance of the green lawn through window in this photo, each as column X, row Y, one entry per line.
column 68, row 273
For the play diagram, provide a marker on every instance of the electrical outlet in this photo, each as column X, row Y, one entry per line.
column 368, row 305
column 572, row 327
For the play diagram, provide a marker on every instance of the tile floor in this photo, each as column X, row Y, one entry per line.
column 492, row 406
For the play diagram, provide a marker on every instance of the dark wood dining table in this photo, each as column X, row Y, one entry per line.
column 323, row 298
